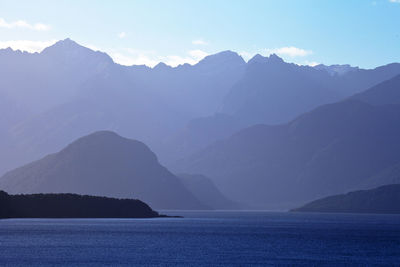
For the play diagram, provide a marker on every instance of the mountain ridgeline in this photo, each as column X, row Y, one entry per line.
column 103, row 164
column 261, row 134
column 336, row 148
column 67, row 91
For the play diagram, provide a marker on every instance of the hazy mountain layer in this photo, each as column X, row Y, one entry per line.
column 103, row 164
column 204, row 190
column 332, row 149
column 273, row 91
column 50, row 99
column 67, row 91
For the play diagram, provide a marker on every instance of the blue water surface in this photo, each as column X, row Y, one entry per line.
column 204, row 239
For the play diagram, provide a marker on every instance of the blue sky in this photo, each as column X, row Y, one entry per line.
column 362, row 33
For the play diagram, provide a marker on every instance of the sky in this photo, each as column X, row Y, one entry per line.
column 358, row 32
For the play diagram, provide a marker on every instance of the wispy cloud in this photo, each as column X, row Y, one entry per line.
column 27, row 45
column 199, row 42
column 129, row 60
column 122, row 35
column 290, row 51
column 131, row 56
column 123, row 56
column 394, row 1
column 23, row 25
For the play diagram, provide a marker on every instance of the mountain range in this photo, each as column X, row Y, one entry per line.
column 335, row 148
column 106, row 164
column 68, row 91
column 263, row 133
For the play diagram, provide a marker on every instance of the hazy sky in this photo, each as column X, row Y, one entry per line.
column 364, row 33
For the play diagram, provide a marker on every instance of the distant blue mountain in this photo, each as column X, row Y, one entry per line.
column 51, row 98
column 103, row 164
column 273, row 91
column 335, row 148
column 68, row 91
column 386, row 93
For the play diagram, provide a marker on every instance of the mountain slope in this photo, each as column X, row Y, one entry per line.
column 41, row 81
column 272, row 91
column 198, row 134
column 103, row 164
column 68, row 91
column 389, row 175
column 204, row 190
column 384, row 199
column 384, row 93
column 332, row 149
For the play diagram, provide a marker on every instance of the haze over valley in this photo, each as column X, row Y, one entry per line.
column 267, row 134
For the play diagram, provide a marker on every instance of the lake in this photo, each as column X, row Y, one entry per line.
column 204, row 238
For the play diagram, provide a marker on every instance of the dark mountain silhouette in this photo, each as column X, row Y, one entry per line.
column 71, row 206
column 384, row 199
column 332, row 149
column 204, row 190
column 103, row 164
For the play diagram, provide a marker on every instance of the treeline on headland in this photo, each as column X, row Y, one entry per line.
column 71, row 206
